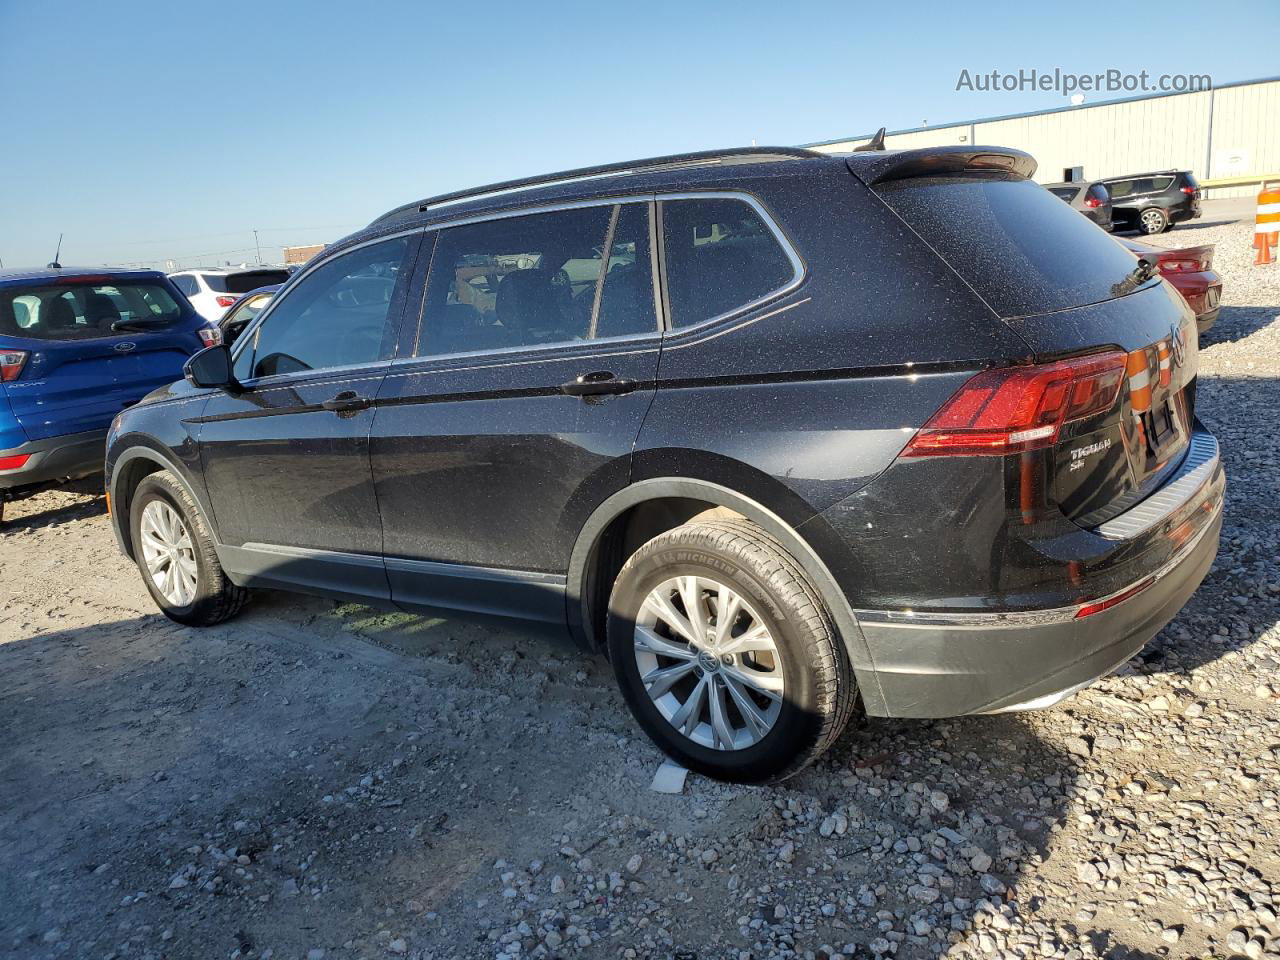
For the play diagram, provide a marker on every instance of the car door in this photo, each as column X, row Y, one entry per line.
column 286, row 456
column 515, row 410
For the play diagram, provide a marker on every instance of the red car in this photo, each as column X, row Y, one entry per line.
column 1190, row 269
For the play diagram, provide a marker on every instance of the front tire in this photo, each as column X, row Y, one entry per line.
column 726, row 654
column 173, row 548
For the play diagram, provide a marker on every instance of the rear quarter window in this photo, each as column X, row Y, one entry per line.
column 720, row 256
column 1021, row 249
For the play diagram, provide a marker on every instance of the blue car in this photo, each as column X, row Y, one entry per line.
column 76, row 347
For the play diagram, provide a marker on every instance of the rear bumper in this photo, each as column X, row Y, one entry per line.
column 53, row 460
column 939, row 663
column 986, row 663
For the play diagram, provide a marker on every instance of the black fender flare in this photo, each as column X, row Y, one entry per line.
column 686, row 487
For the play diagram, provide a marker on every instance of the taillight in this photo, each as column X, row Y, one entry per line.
column 226, row 301
column 1175, row 265
column 1015, row 409
column 1093, row 202
column 14, row 463
column 1189, row 191
column 210, row 336
column 11, row 364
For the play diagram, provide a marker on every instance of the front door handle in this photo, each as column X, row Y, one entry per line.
column 597, row 384
column 347, row 400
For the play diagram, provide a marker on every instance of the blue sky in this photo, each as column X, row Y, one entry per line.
column 151, row 131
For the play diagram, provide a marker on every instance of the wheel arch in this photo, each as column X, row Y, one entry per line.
column 128, row 470
column 681, row 499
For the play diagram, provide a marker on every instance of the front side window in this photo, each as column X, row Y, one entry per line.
column 539, row 279
column 720, row 256
column 85, row 310
column 336, row 316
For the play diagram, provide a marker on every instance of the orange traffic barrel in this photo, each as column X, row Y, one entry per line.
column 1267, row 224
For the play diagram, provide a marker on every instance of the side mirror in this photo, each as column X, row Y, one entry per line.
column 211, row 367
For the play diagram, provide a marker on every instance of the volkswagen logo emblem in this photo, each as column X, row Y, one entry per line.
column 1177, row 344
column 124, row 347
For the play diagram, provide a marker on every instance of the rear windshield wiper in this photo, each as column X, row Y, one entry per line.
column 1144, row 271
column 140, row 324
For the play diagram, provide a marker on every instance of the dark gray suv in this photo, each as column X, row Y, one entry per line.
column 787, row 434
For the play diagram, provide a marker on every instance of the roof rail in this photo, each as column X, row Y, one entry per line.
column 700, row 158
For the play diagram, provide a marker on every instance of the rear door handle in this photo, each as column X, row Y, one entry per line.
column 347, row 400
column 597, row 384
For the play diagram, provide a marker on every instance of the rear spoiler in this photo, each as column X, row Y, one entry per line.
column 873, row 168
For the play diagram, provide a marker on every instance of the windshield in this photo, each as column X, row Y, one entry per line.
column 81, row 311
column 1020, row 248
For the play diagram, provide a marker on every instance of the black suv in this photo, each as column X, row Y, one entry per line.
column 1153, row 202
column 785, row 432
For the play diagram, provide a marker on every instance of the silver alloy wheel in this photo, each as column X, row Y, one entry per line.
column 167, row 553
column 709, row 663
column 1152, row 221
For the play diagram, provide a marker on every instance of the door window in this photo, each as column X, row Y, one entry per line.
column 338, row 315
column 540, row 279
column 720, row 256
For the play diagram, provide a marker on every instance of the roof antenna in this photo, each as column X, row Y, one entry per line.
column 55, row 265
column 875, row 143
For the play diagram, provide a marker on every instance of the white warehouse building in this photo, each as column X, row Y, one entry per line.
column 1229, row 132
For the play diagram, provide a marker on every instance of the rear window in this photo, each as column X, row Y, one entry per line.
column 1021, row 249
column 1064, row 193
column 1190, row 181
column 245, row 281
column 1099, row 193
column 82, row 311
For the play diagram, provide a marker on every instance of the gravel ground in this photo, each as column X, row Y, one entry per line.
column 323, row 780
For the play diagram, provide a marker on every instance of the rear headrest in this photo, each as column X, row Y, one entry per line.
column 527, row 300
column 57, row 314
column 100, row 311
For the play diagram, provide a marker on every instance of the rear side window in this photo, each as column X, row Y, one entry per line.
column 540, row 279
column 720, row 256
column 1121, row 188
column 337, row 315
column 245, row 281
column 186, row 283
column 1022, row 250
column 83, row 311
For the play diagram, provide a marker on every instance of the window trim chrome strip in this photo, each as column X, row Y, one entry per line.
column 799, row 274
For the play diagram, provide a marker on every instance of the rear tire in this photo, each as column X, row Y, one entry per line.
column 1153, row 221
column 173, row 548
column 777, row 688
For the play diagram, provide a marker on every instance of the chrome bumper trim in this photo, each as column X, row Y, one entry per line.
column 1198, row 466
